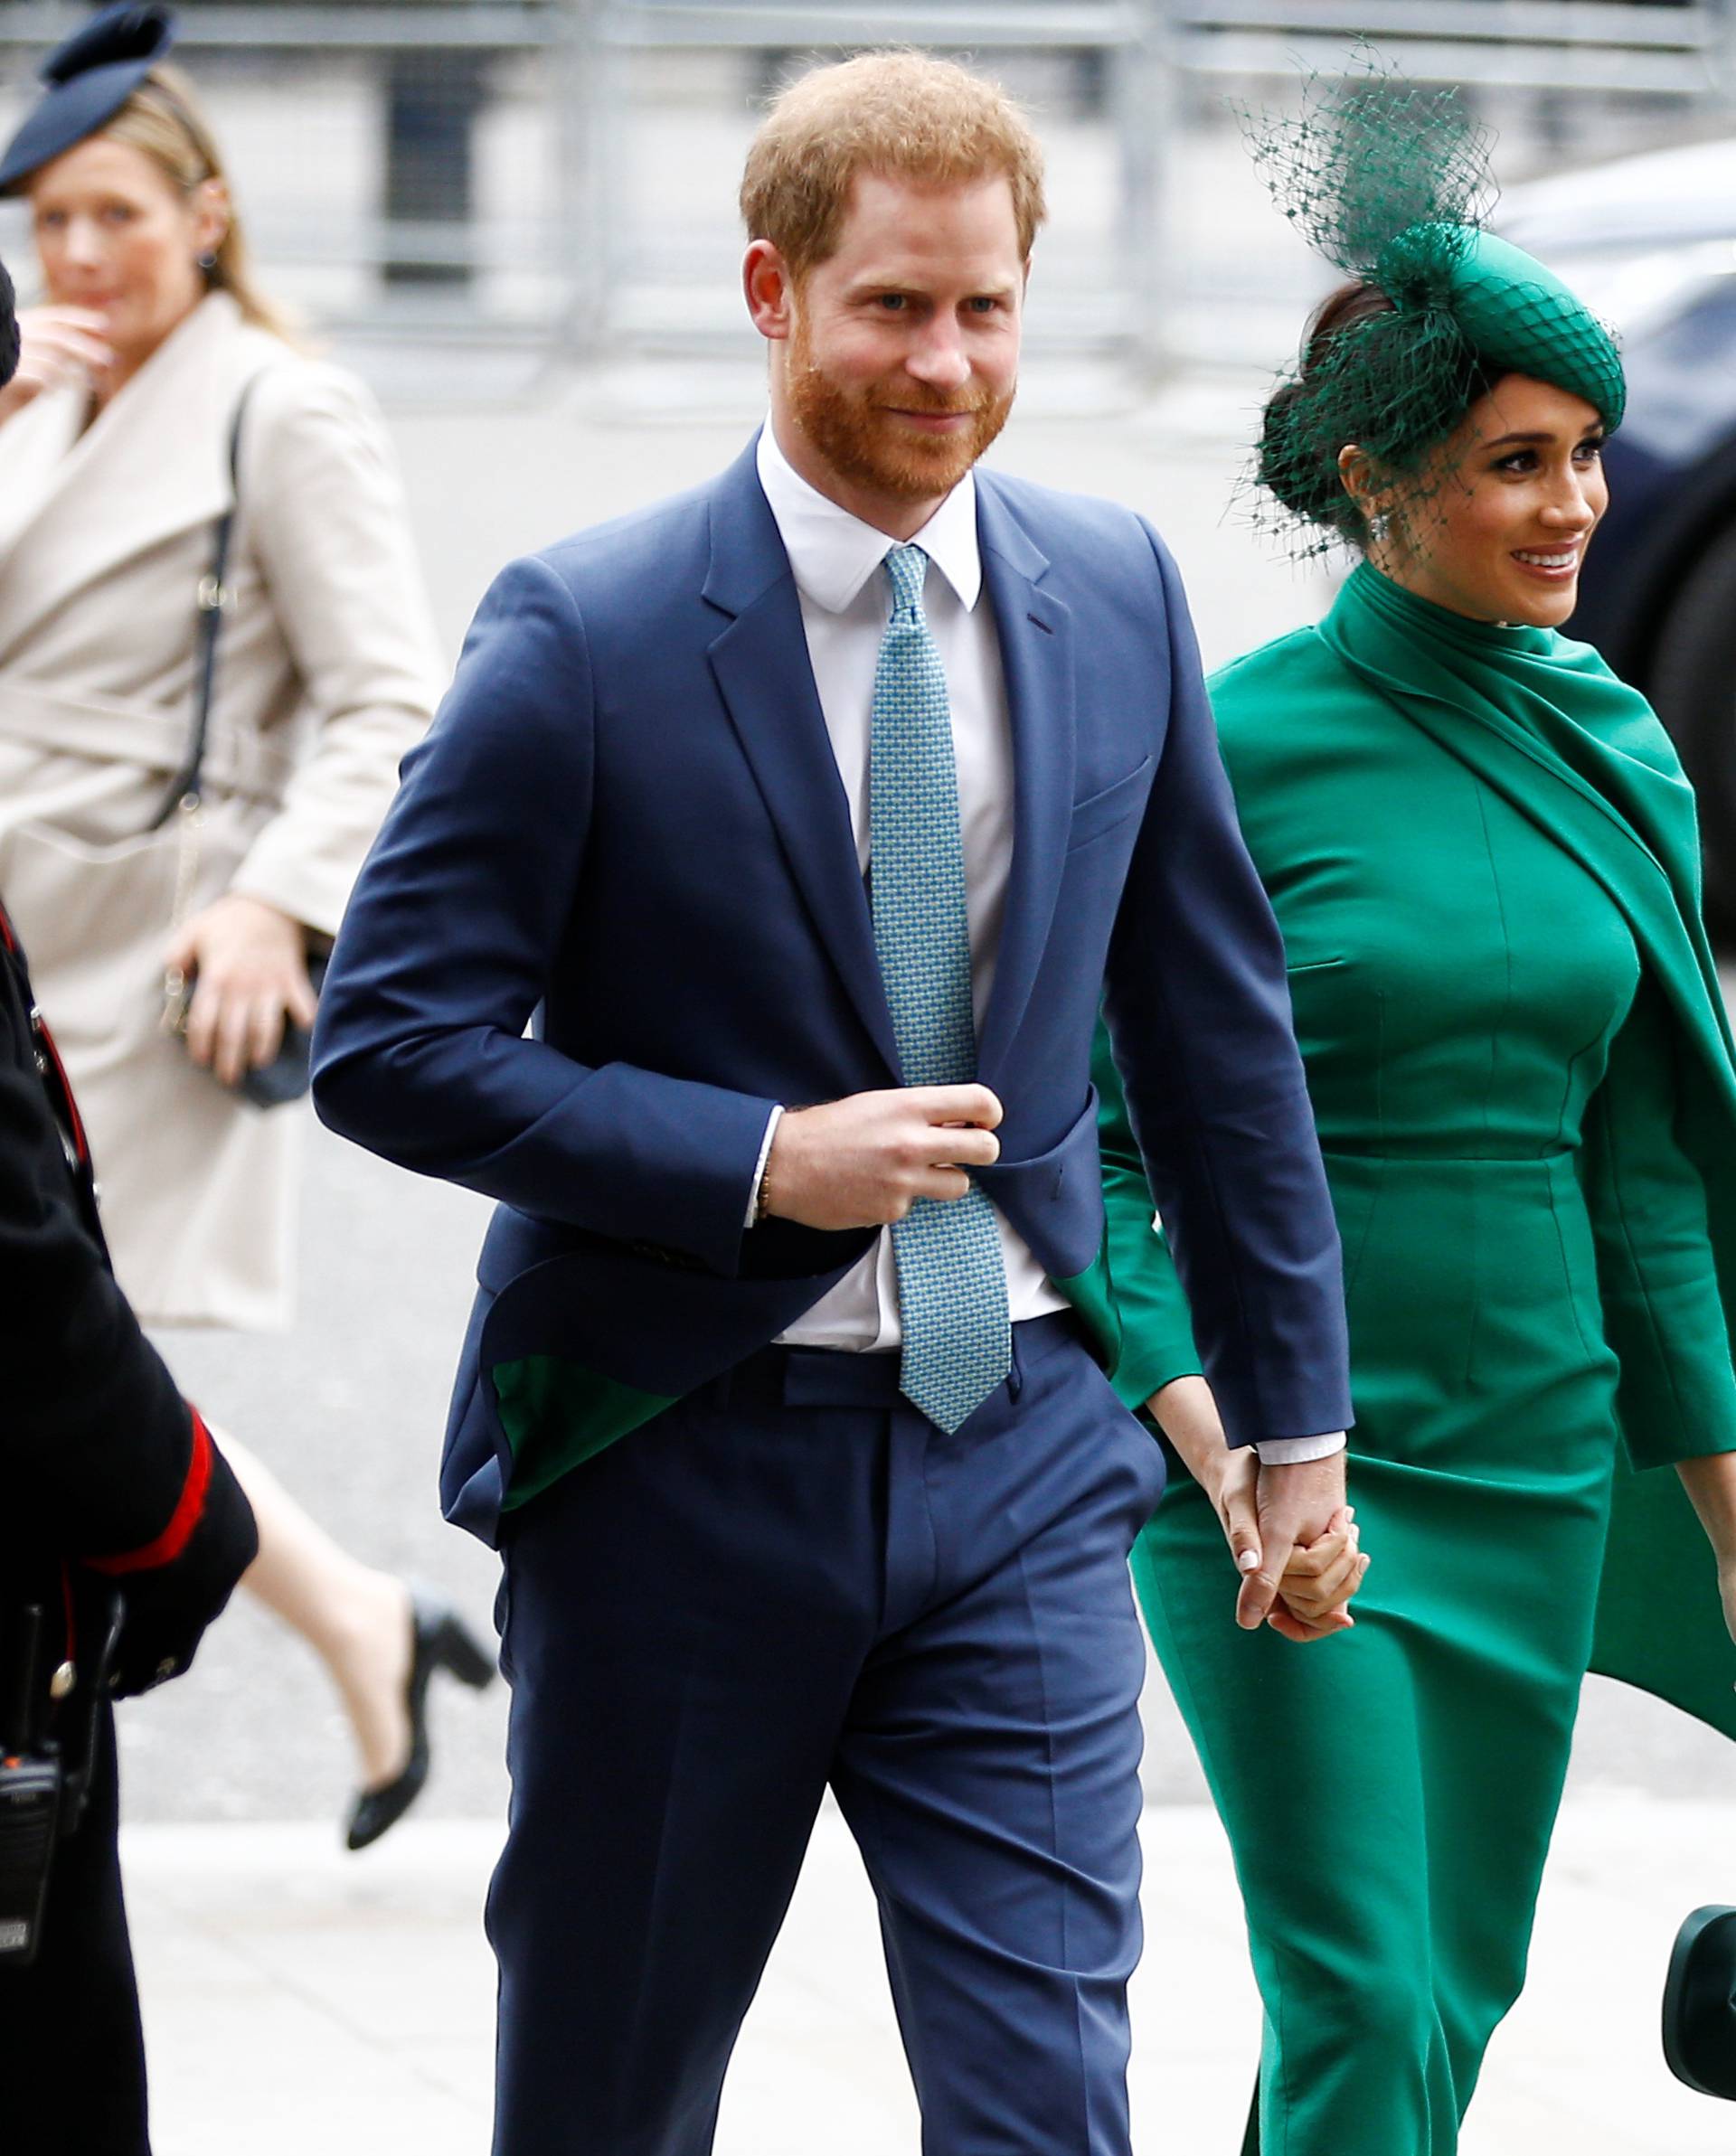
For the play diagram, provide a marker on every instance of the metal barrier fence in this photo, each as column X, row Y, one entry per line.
column 563, row 169
column 1678, row 48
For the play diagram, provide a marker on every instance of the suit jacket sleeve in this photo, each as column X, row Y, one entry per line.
column 1657, row 1276
column 452, row 939
column 1199, row 1016
column 105, row 1465
column 324, row 513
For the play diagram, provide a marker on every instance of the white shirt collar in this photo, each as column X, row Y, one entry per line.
column 832, row 554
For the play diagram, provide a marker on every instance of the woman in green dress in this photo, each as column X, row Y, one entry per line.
column 1481, row 851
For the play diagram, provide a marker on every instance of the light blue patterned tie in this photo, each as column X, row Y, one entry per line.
column 951, row 1276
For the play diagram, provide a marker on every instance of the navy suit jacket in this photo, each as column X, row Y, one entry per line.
column 627, row 830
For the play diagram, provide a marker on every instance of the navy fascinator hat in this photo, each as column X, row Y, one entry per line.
column 87, row 78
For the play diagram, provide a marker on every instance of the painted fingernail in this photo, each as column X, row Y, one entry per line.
column 1248, row 1561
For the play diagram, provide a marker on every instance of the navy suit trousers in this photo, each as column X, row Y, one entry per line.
column 792, row 1579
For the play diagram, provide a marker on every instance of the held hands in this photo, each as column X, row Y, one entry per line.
column 248, row 964
column 1293, row 1538
column 56, row 344
column 865, row 1160
column 1303, row 1543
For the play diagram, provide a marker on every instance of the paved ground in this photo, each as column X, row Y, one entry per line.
column 295, row 1998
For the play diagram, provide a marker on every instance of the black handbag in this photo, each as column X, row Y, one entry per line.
column 288, row 1074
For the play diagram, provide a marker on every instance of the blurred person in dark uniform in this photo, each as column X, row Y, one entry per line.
column 112, row 1488
column 116, row 1503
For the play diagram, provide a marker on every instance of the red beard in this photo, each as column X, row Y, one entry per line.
column 858, row 438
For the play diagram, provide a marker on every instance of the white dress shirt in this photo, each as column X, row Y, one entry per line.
column 846, row 599
column 847, row 602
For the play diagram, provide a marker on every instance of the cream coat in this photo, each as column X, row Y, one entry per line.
column 328, row 671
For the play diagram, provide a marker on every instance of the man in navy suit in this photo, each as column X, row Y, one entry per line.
column 807, row 815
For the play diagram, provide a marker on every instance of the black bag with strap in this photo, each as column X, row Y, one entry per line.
column 289, row 1073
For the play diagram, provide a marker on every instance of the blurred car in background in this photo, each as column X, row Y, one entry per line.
column 1650, row 242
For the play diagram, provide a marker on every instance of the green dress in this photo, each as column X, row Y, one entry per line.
column 1524, row 1100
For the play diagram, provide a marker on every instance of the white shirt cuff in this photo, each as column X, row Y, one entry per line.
column 1290, row 1452
column 773, row 1121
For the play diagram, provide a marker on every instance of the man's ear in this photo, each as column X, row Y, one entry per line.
column 769, row 289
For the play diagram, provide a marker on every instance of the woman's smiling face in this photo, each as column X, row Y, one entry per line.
column 1498, row 531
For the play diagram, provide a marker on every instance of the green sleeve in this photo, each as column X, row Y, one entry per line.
column 1663, row 1313
column 1156, row 1330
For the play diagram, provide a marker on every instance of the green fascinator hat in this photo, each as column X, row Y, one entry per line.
column 1393, row 184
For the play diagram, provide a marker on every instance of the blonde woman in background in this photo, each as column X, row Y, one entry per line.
column 156, row 367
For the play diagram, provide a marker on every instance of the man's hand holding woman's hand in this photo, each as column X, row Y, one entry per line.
column 1293, row 1538
column 1300, row 1509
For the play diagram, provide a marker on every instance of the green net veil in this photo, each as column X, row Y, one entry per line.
column 1392, row 182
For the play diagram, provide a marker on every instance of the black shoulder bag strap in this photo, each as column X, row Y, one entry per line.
column 214, row 597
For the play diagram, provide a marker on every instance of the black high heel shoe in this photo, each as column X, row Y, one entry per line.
column 439, row 1639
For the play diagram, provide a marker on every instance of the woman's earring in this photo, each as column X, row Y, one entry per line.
column 1378, row 525
column 208, row 261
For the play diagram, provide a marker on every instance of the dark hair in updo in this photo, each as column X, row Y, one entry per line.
column 1343, row 392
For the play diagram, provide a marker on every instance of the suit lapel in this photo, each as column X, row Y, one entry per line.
column 150, row 466
column 1037, row 639
column 759, row 661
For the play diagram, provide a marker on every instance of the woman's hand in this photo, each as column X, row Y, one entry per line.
column 1319, row 1582
column 1321, row 1576
column 248, row 966
column 54, row 345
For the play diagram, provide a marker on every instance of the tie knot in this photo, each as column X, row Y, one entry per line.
column 907, row 567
